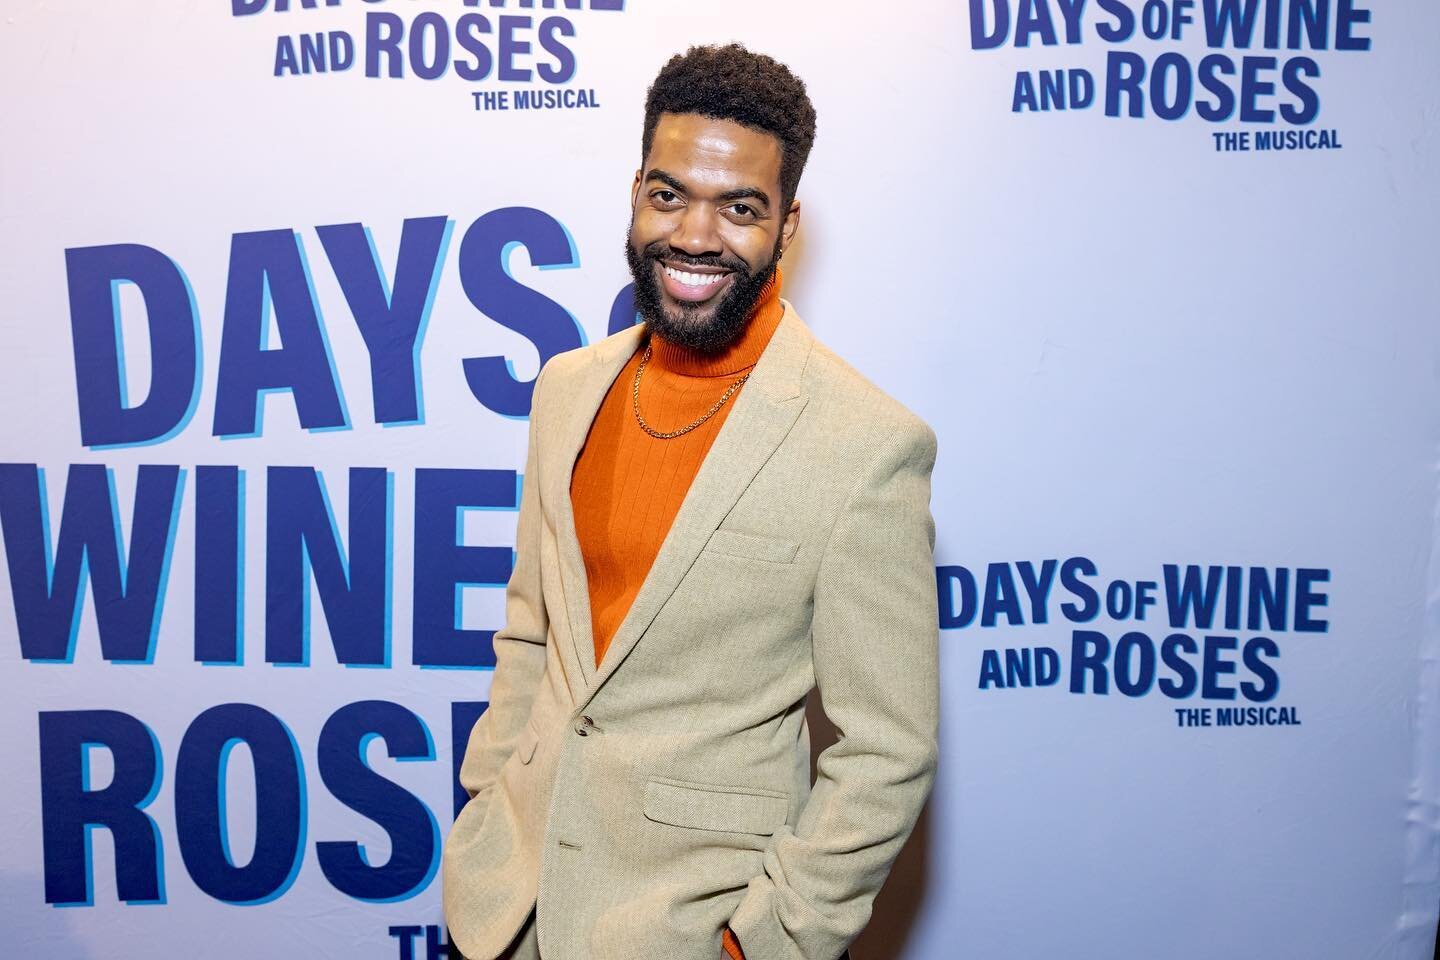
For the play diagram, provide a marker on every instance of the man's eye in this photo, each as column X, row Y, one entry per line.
column 665, row 196
column 742, row 209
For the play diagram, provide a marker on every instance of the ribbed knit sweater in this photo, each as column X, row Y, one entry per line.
column 627, row 486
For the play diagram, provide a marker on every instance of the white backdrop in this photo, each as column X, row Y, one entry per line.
column 1138, row 348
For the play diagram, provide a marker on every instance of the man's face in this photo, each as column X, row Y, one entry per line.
column 706, row 228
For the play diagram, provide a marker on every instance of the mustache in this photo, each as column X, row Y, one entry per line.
column 660, row 250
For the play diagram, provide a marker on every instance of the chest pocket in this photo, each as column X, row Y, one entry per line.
column 753, row 546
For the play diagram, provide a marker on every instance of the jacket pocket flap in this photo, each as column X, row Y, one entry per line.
column 753, row 545
column 706, row 807
column 525, row 746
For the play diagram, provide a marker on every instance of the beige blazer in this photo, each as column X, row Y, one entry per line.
column 646, row 804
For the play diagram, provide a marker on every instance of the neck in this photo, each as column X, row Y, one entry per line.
column 742, row 353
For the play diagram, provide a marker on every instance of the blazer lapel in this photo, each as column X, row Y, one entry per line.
column 584, row 392
column 765, row 410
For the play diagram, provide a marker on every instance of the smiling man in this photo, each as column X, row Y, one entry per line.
column 720, row 518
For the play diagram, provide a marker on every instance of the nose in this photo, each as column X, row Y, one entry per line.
column 697, row 232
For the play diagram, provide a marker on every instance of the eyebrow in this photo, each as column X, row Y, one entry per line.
column 740, row 193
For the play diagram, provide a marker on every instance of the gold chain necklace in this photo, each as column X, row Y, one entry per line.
column 675, row 433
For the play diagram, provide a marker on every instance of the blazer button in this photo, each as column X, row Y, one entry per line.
column 583, row 726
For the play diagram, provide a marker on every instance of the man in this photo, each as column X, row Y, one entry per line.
column 718, row 516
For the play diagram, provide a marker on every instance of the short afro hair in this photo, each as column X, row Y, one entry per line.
column 732, row 83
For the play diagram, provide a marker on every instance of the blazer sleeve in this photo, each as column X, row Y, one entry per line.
column 520, row 645
column 876, row 652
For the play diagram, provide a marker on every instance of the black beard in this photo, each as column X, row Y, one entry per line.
column 729, row 314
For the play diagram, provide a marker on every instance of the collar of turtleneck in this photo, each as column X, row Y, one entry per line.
column 738, row 356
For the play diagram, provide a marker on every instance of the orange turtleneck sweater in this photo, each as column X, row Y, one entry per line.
column 627, row 486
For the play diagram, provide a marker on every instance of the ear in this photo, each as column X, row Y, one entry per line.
column 789, row 225
column 635, row 188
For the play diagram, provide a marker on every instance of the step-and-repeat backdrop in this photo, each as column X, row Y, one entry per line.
column 279, row 276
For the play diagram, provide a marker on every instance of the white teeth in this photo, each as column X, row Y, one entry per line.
column 694, row 279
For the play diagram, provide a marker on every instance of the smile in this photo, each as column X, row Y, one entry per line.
column 694, row 279
column 693, row 285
